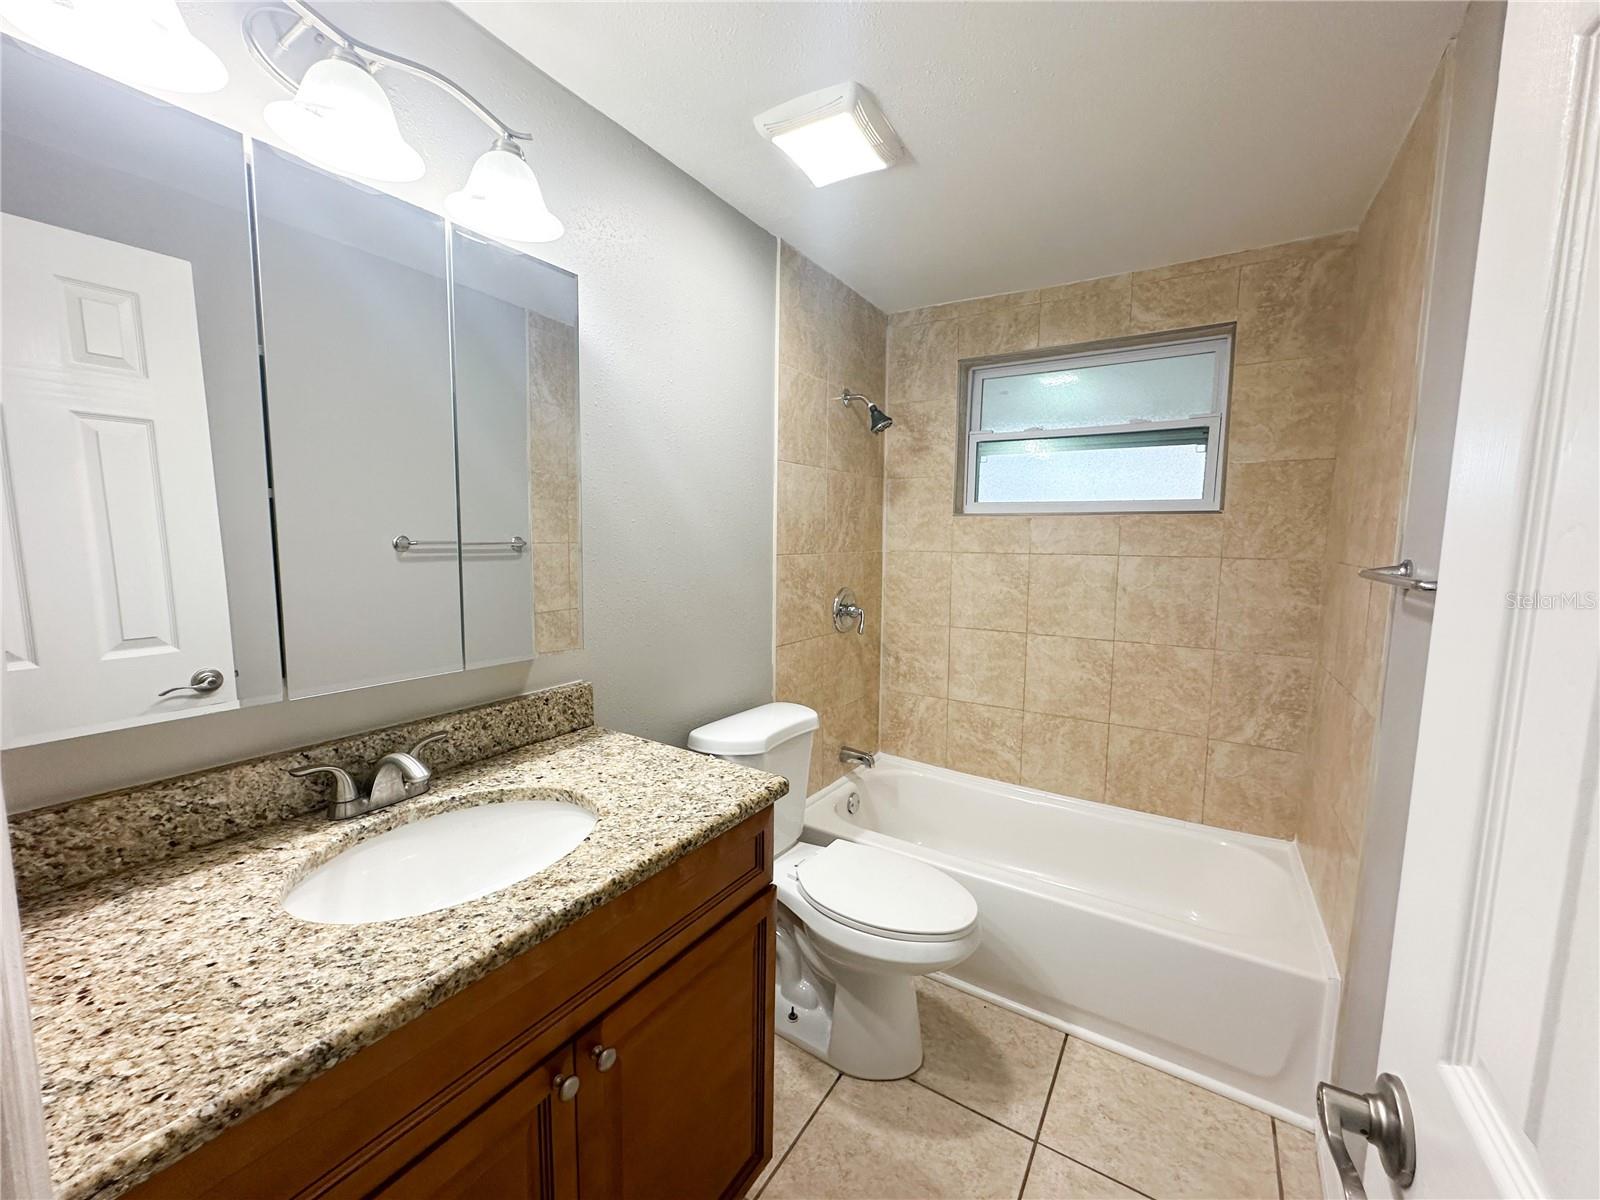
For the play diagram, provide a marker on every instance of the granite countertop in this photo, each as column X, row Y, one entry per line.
column 172, row 1001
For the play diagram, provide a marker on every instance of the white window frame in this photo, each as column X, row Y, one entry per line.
column 1216, row 423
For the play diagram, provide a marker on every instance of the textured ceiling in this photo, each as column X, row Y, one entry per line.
column 1047, row 142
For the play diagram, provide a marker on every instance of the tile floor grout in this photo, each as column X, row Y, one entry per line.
column 1035, row 1142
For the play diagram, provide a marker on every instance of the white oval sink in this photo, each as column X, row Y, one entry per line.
column 439, row 861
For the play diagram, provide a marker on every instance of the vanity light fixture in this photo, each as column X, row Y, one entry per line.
column 341, row 118
column 142, row 42
column 833, row 134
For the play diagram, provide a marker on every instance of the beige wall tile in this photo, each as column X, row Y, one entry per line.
column 802, row 509
column 1261, row 699
column 984, row 740
column 1240, row 258
column 989, row 591
column 854, row 513
column 800, row 672
column 1269, row 605
column 1156, row 772
column 1072, row 595
column 918, row 514
column 922, row 442
column 1064, row 755
column 986, row 666
column 852, row 446
column 1277, row 509
column 1294, row 307
column 1253, row 790
column 1286, row 410
column 1187, row 535
column 990, row 535
column 916, row 588
column 921, row 363
column 557, row 632
column 1168, row 600
column 802, row 419
column 554, row 584
column 1161, row 687
column 1090, row 533
column 1185, row 301
column 999, row 331
column 1068, row 677
column 803, row 598
column 914, row 727
column 1086, row 312
column 916, row 658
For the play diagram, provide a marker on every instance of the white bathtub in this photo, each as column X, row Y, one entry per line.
column 1194, row 949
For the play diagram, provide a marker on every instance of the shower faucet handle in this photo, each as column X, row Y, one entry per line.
column 846, row 610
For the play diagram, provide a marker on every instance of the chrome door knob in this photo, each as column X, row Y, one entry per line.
column 1383, row 1117
column 566, row 1087
column 605, row 1057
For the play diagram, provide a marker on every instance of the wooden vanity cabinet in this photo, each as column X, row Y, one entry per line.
column 630, row 1055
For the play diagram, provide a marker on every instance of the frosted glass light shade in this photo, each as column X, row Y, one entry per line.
column 502, row 199
column 341, row 119
column 142, row 42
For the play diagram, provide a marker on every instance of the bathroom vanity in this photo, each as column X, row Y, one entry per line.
column 602, row 1028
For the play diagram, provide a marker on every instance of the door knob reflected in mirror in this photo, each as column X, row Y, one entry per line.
column 206, row 680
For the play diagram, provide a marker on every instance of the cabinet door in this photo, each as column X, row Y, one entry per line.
column 356, row 329
column 522, row 1145
column 685, row 1107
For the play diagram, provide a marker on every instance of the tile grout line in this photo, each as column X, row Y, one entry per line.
column 1037, row 1142
column 1049, row 1095
column 778, row 1166
column 1277, row 1155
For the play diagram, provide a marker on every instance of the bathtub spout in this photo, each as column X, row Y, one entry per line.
column 849, row 754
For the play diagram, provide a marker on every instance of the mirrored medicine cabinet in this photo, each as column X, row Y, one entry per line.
column 267, row 433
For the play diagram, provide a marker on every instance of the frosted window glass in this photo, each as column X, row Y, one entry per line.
column 1109, row 468
column 1066, row 397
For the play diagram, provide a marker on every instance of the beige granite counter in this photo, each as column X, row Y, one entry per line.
column 173, row 1000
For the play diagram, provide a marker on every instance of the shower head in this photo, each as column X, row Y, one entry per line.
column 877, row 419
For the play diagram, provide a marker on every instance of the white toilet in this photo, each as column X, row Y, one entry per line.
column 856, row 924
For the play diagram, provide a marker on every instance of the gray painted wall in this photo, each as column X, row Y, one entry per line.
column 678, row 334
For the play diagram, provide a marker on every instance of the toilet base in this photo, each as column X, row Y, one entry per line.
column 863, row 1023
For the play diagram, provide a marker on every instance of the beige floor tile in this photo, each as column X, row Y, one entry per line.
column 1297, row 1163
column 799, row 1082
column 985, row 1057
column 1158, row 1134
column 899, row 1141
column 1056, row 1177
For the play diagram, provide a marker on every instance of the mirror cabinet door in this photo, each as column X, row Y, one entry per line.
column 134, row 454
column 516, row 383
column 356, row 342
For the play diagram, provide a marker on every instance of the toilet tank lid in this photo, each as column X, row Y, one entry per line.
column 754, row 731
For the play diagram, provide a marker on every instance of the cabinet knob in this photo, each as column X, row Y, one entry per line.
column 566, row 1087
column 605, row 1057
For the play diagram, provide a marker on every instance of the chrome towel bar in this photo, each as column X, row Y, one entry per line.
column 402, row 543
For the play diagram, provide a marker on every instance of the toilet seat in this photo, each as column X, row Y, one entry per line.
column 886, row 894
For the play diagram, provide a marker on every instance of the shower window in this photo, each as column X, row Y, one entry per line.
column 1131, row 428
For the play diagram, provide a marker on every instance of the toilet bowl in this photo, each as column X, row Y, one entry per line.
column 856, row 924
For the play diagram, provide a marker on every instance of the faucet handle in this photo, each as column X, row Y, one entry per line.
column 438, row 736
column 344, row 788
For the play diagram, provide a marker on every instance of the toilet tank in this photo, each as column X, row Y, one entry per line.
column 775, row 738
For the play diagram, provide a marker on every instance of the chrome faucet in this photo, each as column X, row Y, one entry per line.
column 849, row 754
column 398, row 776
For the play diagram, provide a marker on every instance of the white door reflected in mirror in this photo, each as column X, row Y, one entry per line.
column 114, row 584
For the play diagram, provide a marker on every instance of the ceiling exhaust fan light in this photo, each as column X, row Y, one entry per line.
column 836, row 133
column 502, row 199
column 142, row 42
column 340, row 118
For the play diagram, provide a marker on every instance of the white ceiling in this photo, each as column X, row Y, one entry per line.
column 1047, row 142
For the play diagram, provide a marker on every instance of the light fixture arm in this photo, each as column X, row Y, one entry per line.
column 312, row 20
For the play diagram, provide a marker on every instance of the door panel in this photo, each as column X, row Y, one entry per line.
column 355, row 324
column 693, row 1067
column 520, row 1146
column 115, row 580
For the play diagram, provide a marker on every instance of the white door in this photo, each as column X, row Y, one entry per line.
column 113, row 585
column 1491, row 1016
